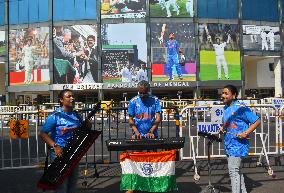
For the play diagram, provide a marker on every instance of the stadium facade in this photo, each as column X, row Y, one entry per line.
column 101, row 49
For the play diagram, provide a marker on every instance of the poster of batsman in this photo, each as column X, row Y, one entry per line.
column 173, row 51
column 219, row 52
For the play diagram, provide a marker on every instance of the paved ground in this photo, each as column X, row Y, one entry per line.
column 257, row 179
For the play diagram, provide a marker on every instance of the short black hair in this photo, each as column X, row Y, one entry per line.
column 144, row 84
column 61, row 94
column 92, row 37
column 232, row 89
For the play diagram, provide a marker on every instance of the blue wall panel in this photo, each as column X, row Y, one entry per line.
column 28, row 11
column 218, row 9
column 43, row 10
column 260, row 10
column 74, row 10
column 2, row 12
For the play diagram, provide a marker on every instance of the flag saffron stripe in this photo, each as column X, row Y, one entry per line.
column 163, row 156
column 150, row 184
column 148, row 169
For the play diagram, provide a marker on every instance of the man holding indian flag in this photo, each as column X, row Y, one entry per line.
column 146, row 171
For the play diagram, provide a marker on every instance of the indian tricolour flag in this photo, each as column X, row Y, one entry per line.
column 148, row 171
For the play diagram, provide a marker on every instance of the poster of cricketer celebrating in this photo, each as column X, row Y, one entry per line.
column 171, row 8
column 219, row 52
column 123, row 9
column 75, row 54
column 173, row 51
column 29, row 56
column 261, row 38
column 124, row 53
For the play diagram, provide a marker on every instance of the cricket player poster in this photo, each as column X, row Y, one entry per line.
column 75, row 54
column 219, row 52
column 124, row 53
column 170, row 43
column 123, row 9
column 261, row 38
column 171, row 8
column 29, row 56
column 2, row 46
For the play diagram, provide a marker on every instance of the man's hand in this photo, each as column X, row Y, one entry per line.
column 150, row 135
column 58, row 151
column 222, row 130
column 243, row 135
column 137, row 135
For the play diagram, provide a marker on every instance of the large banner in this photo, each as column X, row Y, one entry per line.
column 75, row 54
column 261, row 38
column 170, row 44
column 2, row 46
column 28, row 56
column 171, row 8
column 219, row 52
column 124, row 53
column 123, row 9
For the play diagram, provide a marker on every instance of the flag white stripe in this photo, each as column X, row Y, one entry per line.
column 146, row 169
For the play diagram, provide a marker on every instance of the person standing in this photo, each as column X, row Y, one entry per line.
column 91, row 57
column 173, row 50
column 58, row 129
column 238, row 122
column 263, row 36
column 28, row 60
column 126, row 75
column 220, row 58
column 271, row 39
column 142, row 73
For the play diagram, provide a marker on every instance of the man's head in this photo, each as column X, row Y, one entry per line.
column 143, row 89
column 66, row 35
column 143, row 66
column 218, row 40
column 91, row 40
column 171, row 36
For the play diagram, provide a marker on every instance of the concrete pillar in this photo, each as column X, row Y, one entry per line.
column 277, row 74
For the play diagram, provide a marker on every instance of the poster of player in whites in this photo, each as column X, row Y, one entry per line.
column 219, row 52
column 2, row 46
column 261, row 38
column 123, row 9
column 171, row 8
column 169, row 42
column 124, row 53
column 75, row 54
column 28, row 56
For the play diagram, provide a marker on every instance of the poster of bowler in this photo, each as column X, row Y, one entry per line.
column 169, row 43
column 123, row 9
column 171, row 8
column 124, row 53
column 75, row 54
column 219, row 51
column 29, row 56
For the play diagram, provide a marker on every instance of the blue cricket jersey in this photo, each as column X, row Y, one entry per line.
column 144, row 113
column 61, row 125
column 236, row 119
column 172, row 46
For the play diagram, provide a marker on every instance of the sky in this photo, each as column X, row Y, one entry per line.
column 129, row 34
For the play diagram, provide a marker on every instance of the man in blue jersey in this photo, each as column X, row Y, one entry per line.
column 238, row 122
column 144, row 113
column 173, row 50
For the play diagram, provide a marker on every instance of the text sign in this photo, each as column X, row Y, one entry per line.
column 209, row 128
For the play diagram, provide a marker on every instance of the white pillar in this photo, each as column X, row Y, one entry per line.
column 277, row 73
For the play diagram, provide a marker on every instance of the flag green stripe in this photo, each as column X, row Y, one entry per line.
column 148, row 184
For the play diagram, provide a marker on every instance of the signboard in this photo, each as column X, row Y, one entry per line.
column 124, row 53
column 29, row 56
column 261, row 38
column 75, row 54
column 216, row 114
column 123, row 9
column 166, row 52
column 220, row 52
column 209, row 127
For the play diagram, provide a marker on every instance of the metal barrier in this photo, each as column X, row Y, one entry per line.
column 264, row 140
column 280, row 129
column 112, row 121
